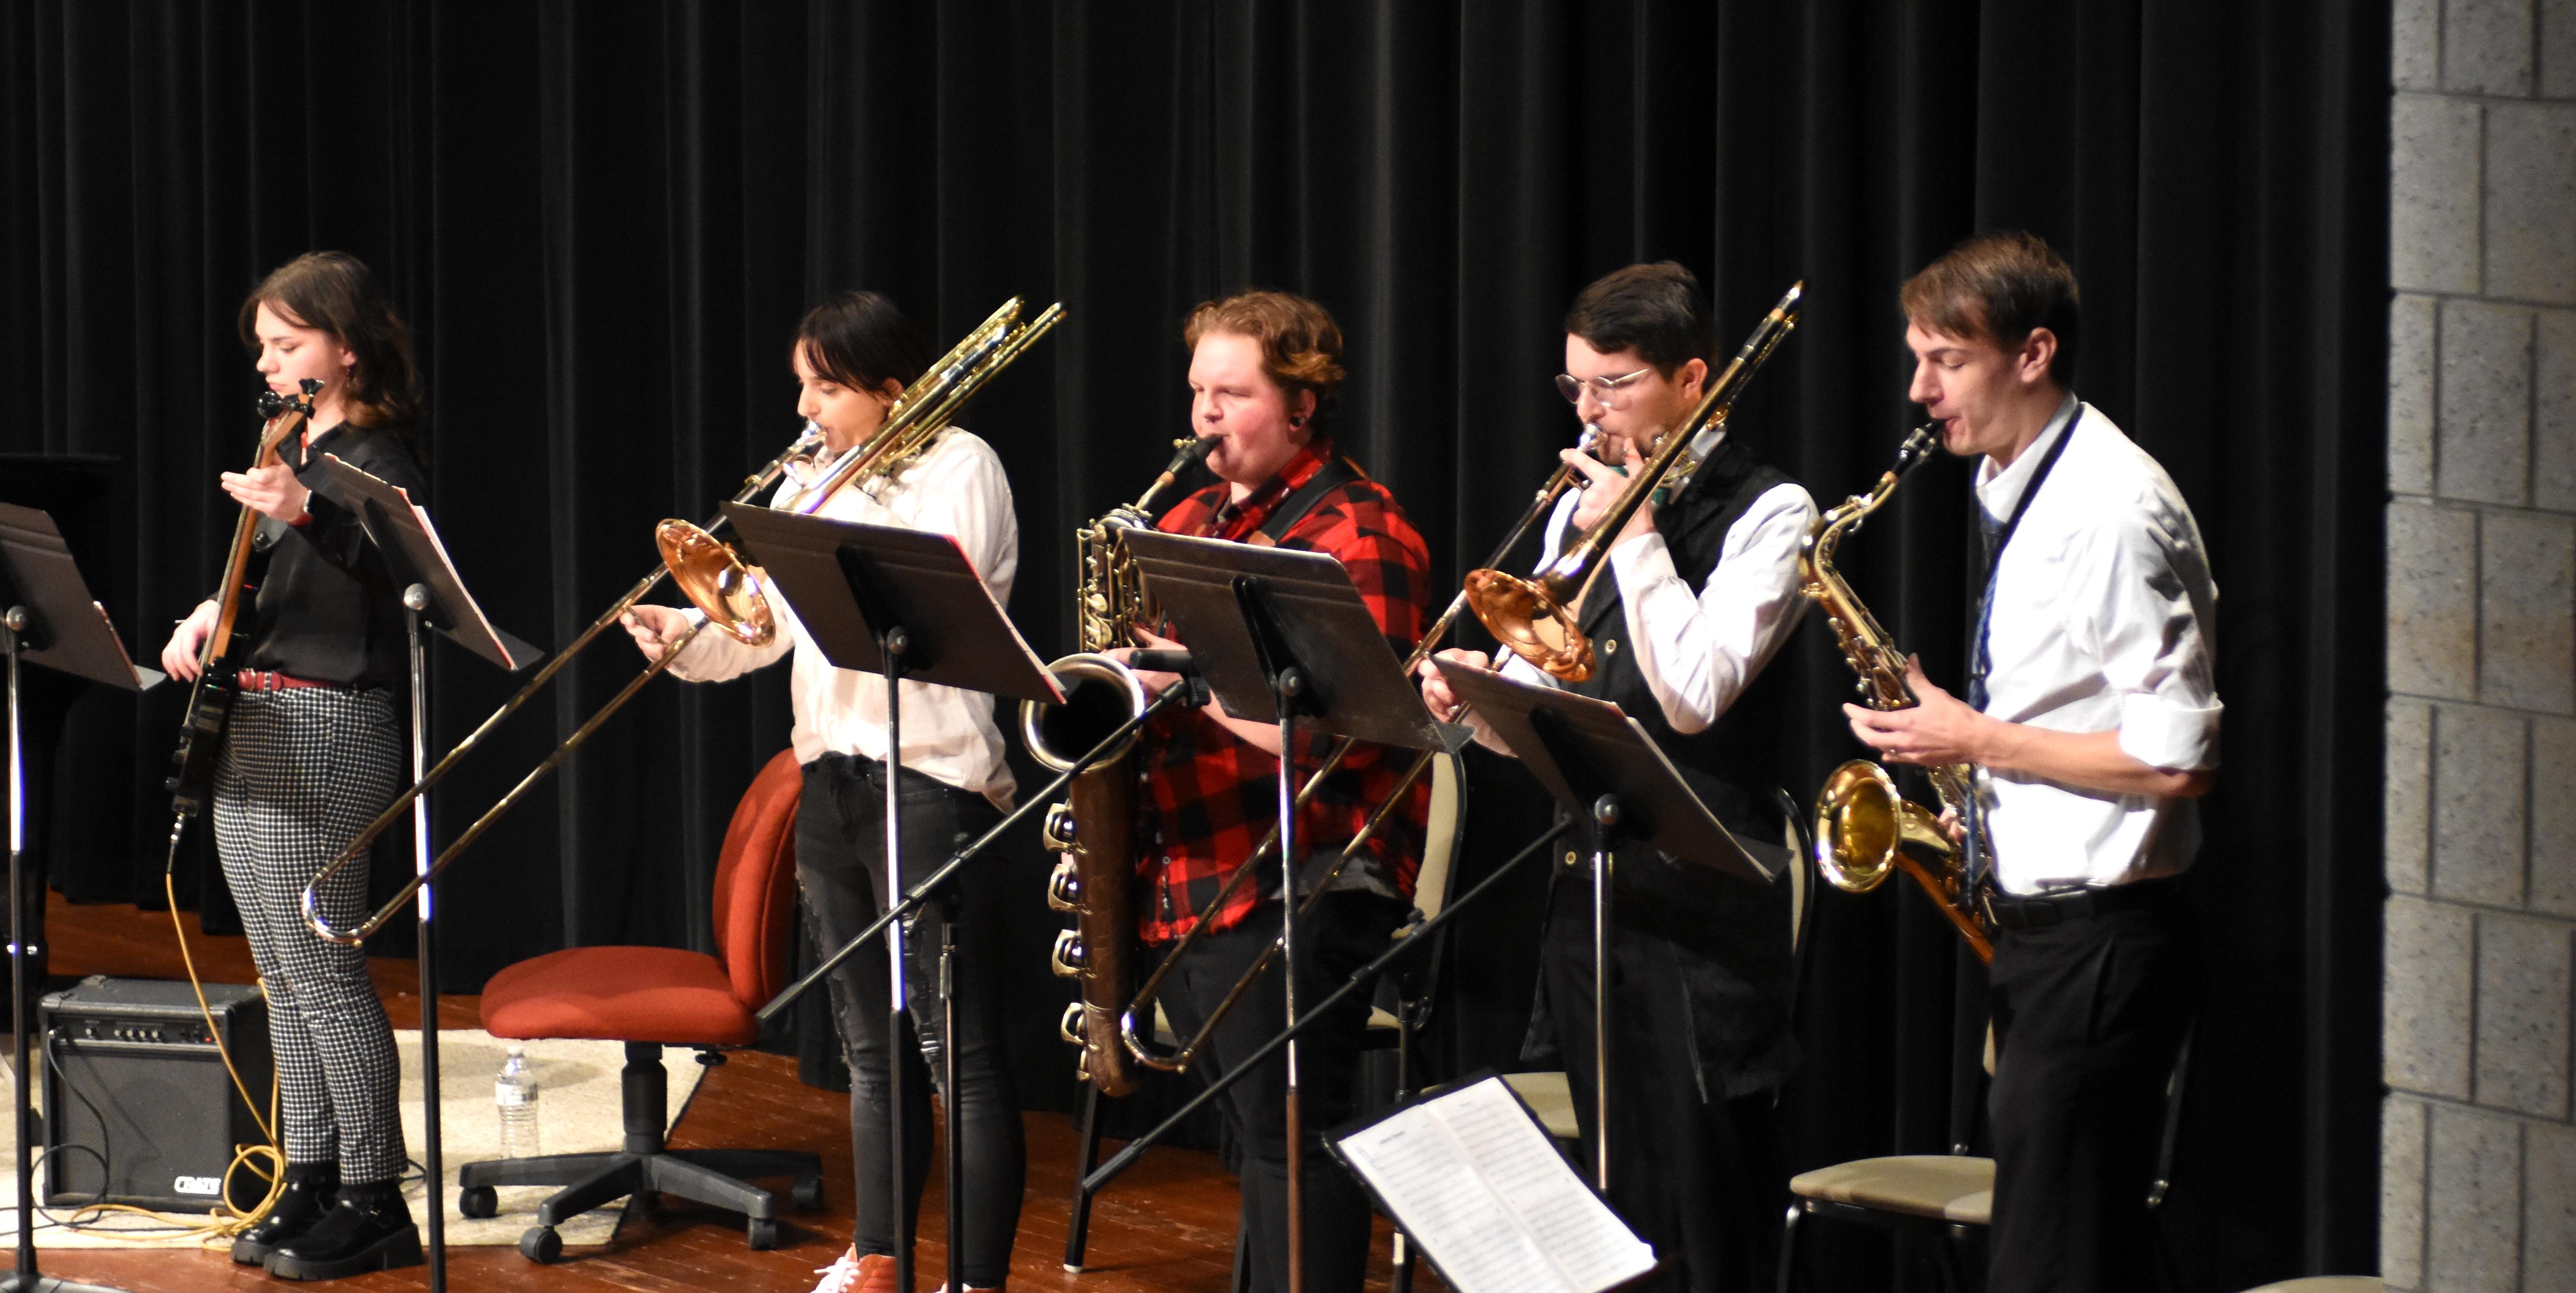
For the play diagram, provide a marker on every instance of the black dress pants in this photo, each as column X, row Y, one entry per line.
column 1699, row 1176
column 1344, row 931
column 840, row 864
column 2089, row 1016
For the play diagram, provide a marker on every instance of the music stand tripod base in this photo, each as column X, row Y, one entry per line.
column 47, row 617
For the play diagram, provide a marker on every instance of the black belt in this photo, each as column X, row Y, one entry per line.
column 2041, row 911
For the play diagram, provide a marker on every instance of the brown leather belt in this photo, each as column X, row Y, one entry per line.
column 263, row 680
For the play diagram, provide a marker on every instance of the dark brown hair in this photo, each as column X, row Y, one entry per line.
column 862, row 340
column 1998, row 287
column 1656, row 310
column 1301, row 346
column 335, row 292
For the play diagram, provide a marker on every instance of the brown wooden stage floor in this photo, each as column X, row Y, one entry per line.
column 1168, row 1224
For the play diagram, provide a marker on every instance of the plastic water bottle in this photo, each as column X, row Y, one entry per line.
column 514, row 1094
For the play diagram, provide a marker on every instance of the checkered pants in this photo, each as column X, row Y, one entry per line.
column 303, row 771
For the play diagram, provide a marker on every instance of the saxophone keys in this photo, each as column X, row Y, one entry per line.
column 1070, row 959
column 1064, row 886
column 1070, row 1027
column 1059, row 830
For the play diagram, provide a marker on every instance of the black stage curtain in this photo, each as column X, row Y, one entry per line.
column 604, row 218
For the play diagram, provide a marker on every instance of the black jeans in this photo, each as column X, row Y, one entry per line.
column 1701, row 1177
column 2089, row 1015
column 840, row 864
column 1343, row 932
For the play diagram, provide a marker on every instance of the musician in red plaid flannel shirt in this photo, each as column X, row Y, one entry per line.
column 1263, row 368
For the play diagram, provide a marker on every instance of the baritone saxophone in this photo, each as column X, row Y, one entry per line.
column 1093, row 832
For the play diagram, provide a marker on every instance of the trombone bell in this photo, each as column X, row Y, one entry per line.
column 1531, row 623
column 716, row 581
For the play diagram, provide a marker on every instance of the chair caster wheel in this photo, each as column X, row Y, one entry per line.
column 478, row 1202
column 808, row 1194
column 541, row 1245
column 764, row 1234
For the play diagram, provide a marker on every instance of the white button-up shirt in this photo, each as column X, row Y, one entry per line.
column 957, row 489
column 2102, row 619
column 1699, row 650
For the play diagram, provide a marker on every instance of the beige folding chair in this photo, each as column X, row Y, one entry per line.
column 1940, row 1200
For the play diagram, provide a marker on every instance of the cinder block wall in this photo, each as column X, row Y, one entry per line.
column 2479, row 1155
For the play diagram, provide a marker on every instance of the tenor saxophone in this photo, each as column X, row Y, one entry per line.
column 1863, row 827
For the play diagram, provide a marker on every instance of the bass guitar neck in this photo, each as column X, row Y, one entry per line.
column 192, row 774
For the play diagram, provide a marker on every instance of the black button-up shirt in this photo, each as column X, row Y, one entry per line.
column 328, row 609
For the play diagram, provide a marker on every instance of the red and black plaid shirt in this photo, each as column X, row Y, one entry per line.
column 1209, row 796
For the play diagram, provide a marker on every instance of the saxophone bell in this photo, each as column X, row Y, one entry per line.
column 1862, row 822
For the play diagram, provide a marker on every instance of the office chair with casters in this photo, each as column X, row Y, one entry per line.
column 654, row 997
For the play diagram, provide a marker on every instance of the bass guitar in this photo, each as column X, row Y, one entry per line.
column 201, row 737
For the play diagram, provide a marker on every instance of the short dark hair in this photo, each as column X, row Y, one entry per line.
column 1301, row 346
column 1656, row 310
column 862, row 340
column 1998, row 287
column 335, row 292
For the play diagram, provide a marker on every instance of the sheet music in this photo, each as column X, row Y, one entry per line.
column 1474, row 1180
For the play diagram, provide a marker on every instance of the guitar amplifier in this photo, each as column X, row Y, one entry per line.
column 138, row 1107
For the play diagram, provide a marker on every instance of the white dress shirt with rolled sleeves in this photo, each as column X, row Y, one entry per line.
column 956, row 488
column 2103, row 619
column 1699, row 650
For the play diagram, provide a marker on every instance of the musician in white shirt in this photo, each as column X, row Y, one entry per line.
column 2092, row 716
column 853, row 357
column 1698, row 594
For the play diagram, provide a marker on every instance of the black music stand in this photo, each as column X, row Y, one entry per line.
column 1606, row 770
column 433, row 594
column 46, row 618
column 908, row 605
column 1282, row 636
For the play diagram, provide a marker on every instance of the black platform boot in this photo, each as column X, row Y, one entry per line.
column 311, row 1188
column 370, row 1229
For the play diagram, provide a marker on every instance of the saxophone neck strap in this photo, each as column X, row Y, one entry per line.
column 1978, row 661
column 1336, row 472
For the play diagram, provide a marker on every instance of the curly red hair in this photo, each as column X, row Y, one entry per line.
column 1301, row 346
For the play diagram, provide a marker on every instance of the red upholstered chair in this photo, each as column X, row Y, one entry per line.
column 652, row 997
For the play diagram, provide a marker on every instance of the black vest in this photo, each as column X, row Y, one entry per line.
column 1717, row 943
column 1734, row 763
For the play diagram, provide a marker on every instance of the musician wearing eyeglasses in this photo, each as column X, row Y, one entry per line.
column 1263, row 370
column 1694, row 601
column 312, row 752
column 2092, row 716
column 853, row 356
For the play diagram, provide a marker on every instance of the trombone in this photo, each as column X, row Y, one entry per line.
column 1139, row 1039
column 713, row 577
column 1536, row 617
